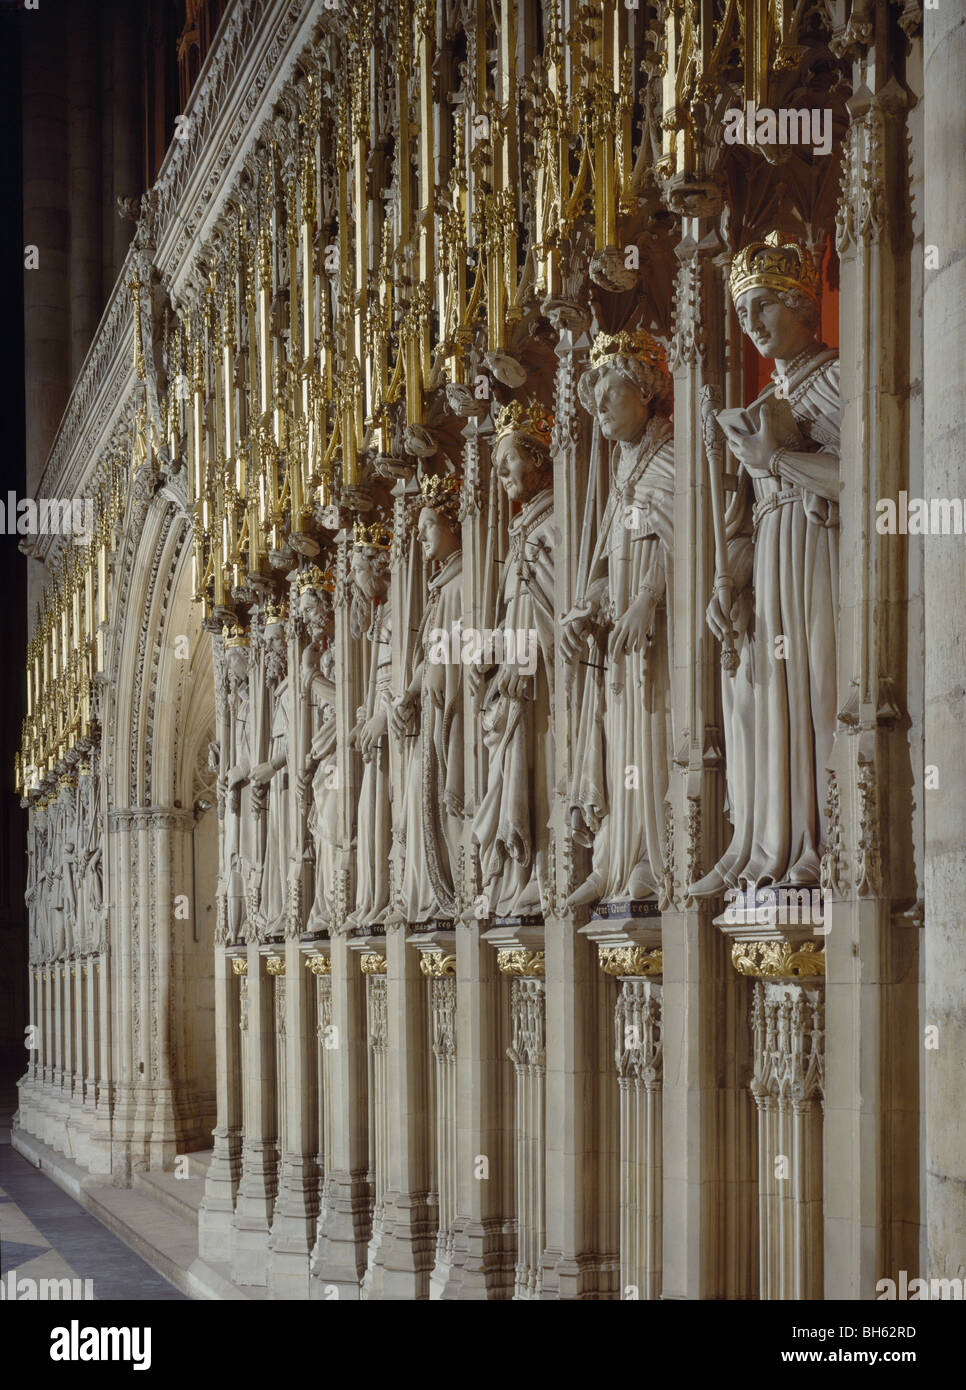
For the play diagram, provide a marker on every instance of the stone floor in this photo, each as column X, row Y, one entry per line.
column 45, row 1234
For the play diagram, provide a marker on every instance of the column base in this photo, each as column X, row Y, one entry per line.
column 339, row 1258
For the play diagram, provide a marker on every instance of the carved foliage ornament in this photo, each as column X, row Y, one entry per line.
column 777, row 960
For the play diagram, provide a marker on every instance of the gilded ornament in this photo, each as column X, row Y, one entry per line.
column 275, row 965
column 522, row 963
column 373, row 964
column 774, row 265
column 239, row 965
column 639, row 345
column 235, row 636
column 532, row 420
column 435, row 964
column 378, row 536
column 319, row 965
column 630, row 960
column 778, row 960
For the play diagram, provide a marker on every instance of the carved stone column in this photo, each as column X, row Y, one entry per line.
column 478, row 1258
column 528, row 1053
column 259, row 1179
column 580, row 1259
column 319, row 963
column 483, row 1251
column 67, row 1051
column 296, row 1211
column 339, row 1258
column 707, row 1153
column 788, row 1026
column 173, row 1123
column 47, row 1011
column 224, row 1170
column 101, row 1148
column 373, row 967
column 440, row 971
column 944, row 58
column 58, row 1076
column 404, row 1252
column 872, row 1039
column 77, row 1115
column 638, row 1055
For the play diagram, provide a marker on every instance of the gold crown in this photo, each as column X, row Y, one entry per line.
column 378, row 536
column 234, row 636
column 532, row 420
column 639, row 345
column 437, row 487
column 310, row 578
column 774, row 265
column 275, row 613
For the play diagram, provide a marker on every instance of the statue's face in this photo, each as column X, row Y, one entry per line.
column 238, row 663
column 776, row 331
column 435, row 535
column 275, row 638
column 516, row 471
column 309, row 606
column 622, row 409
column 363, row 575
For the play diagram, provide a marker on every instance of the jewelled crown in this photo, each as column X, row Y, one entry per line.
column 438, row 488
column 639, row 345
column 313, row 578
column 774, row 265
column 532, row 420
column 378, row 536
column 234, row 636
column 275, row 613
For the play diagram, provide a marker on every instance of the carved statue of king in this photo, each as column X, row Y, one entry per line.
column 776, row 589
column 433, row 808
column 511, row 825
column 623, row 751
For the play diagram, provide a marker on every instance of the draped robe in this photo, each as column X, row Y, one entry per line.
column 373, row 825
column 434, row 782
column 512, row 824
column 780, row 709
column 239, row 832
column 624, row 736
column 322, row 818
column 278, row 837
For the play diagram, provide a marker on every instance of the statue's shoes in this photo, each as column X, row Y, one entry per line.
column 713, row 882
column 641, row 884
column 588, row 892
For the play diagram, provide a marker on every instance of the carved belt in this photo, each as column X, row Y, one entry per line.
column 775, row 499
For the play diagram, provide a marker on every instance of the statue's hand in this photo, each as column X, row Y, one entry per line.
column 262, row 773
column 575, row 630
column 754, row 451
column 370, row 734
column 631, row 628
column 722, row 610
column 515, row 685
column 403, row 714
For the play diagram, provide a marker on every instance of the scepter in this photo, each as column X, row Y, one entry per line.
column 714, row 450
